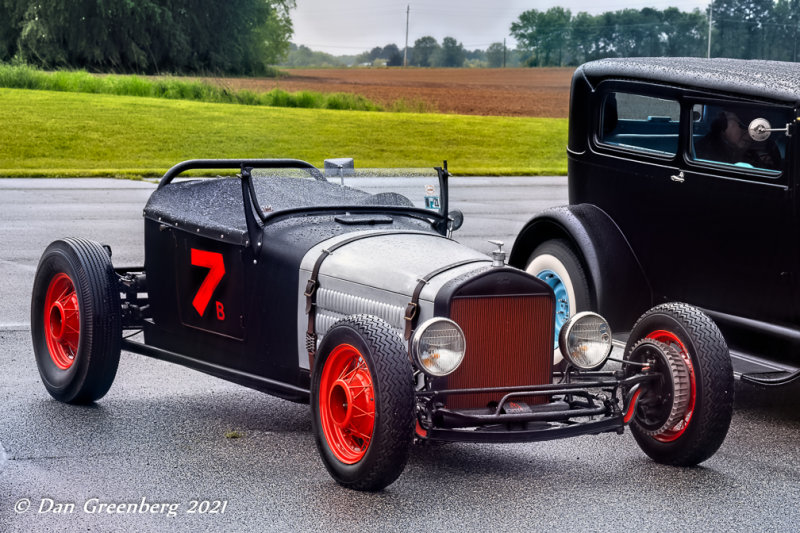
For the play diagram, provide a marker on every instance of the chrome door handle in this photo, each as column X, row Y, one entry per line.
column 679, row 178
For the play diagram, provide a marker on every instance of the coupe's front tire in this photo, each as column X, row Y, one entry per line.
column 684, row 419
column 75, row 320
column 555, row 263
column 362, row 403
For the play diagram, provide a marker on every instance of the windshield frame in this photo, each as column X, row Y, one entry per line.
column 437, row 218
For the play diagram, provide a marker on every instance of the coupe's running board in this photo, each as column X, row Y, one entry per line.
column 760, row 369
column 747, row 367
column 772, row 379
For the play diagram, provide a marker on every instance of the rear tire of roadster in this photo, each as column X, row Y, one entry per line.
column 683, row 419
column 75, row 320
column 362, row 403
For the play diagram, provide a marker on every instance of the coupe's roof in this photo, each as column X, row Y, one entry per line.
column 772, row 80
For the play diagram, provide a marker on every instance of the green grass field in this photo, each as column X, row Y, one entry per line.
column 47, row 133
column 80, row 81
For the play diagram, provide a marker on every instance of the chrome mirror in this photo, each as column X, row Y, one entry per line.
column 760, row 129
column 455, row 219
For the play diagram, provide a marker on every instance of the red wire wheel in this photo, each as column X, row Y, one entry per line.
column 670, row 339
column 76, row 325
column 347, row 404
column 683, row 419
column 62, row 321
column 362, row 402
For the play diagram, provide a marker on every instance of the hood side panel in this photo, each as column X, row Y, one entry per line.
column 377, row 276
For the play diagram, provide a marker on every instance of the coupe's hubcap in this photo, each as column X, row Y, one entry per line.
column 562, row 299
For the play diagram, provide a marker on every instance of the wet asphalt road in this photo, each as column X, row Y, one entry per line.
column 159, row 436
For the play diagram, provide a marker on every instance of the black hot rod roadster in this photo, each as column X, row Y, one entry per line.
column 362, row 305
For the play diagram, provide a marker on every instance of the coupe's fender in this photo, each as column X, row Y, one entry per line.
column 619, row 289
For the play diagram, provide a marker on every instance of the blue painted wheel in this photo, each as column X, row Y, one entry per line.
column 556, row 264
column 562, row 300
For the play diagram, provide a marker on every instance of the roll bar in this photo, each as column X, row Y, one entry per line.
column 208, row 164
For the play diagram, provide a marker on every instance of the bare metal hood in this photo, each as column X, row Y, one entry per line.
column 391, row 262
column 377, row 275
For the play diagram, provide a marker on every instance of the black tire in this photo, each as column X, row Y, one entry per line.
column 76, row 366
column 378, row 352
column 668, row 428
column 557, row 256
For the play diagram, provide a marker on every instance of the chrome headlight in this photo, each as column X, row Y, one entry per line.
column 438, row 346
column 585, row 341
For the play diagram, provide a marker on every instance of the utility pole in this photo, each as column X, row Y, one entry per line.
column 405, row 50
column 504, row 52
column 710, row 19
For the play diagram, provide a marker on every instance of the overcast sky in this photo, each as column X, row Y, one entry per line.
column 353, row 26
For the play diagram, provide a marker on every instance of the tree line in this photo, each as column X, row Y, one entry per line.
column 426, row 52
column 245, row 37
column 147, row 36
column 744, row 29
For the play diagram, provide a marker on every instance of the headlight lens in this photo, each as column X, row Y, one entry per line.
column 585, row 341
column 438, row 346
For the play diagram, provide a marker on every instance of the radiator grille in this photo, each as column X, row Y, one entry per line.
column 509, row 343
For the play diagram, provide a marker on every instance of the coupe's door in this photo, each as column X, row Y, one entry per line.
column 730, row 245
column 634, row 150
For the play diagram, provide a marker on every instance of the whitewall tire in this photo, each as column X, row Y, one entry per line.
column 555, row 263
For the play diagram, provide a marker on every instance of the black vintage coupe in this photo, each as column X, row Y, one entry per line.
column 362, row 304
column 683, row 180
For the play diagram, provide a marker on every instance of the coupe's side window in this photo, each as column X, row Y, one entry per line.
column 739, row 135
column 642, row 123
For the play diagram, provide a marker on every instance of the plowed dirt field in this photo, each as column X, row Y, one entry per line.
column 529, row 92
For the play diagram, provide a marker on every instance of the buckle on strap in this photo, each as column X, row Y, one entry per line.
column 311, row 287
column 411, row 311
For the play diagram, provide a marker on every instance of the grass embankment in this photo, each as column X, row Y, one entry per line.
column 47, row 133
column 79, row 81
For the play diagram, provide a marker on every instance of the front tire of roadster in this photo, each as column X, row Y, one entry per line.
column 684, row 419
column 75, row 320
column 362, row 403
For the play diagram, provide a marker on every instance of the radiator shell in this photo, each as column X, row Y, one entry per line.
column 508, row 320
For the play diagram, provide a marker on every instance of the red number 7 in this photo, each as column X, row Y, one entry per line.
column 212, row 261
